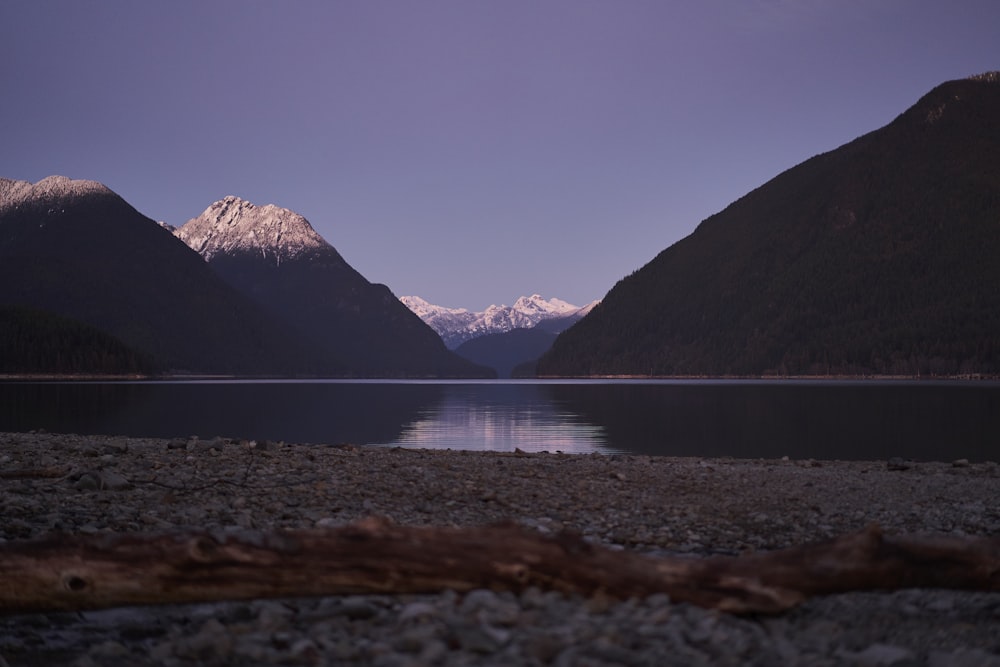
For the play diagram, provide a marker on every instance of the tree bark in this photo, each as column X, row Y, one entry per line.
column 376, row 556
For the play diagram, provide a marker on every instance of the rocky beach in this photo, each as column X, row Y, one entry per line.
column 661, row 506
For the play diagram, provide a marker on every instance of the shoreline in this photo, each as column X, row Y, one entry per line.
column 668, row 506
column 593, row 483
column 199, row 377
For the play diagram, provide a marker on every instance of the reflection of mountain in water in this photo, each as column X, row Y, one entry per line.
column 329, row 413
column 502, row 417
column 831, row 420
column 940, row 421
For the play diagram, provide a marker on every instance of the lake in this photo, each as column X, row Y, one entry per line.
column 921, row 420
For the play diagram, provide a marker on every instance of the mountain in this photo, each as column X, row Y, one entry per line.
column 877, row 257
column 449, row 323
column 513, row 353
column 273, row 256
column 36, row 342
column 508, row 350
column 458, row 325
column 75, row 249
column 560, row 323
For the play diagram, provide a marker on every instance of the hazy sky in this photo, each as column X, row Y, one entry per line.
column 467, row 151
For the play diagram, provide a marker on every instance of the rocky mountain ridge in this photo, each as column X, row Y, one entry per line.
column 459, row 325
column 50, row 191
column 275, row 257
column 233, row 225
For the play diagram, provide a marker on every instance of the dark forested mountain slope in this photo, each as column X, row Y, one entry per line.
column 76, row 249
column 506, row 351
column 36, row 342
column 274, row 256
column 878, row 257
column 513, row 353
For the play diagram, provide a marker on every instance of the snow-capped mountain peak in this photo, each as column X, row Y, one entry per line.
column 457, row 325
column 536, row 305
column 526, row 312
column 425, row 309
column 443, row 320
column 233, row 226
column 47, row 191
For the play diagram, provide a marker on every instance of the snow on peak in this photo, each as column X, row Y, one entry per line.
column 457, row 325
column 443, row 320
column 236, row 226
column 425, row 309
column 535, row 304
column 47, row 191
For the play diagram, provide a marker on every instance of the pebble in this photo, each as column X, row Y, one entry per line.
column 880, row 655
column 664, row 506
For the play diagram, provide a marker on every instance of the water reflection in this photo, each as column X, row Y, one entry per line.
column 823, row 420
column 801, row 419
column 317, row 412
column 502, row 417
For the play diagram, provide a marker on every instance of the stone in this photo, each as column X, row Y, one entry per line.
column 304, row 650
column 434, row 652
column 475, row 639
column 478, row 599
column 211, row 641
column 272, row 616
column 328, row 522
column 88, row 481
column 878, row 655
column 357, row 608
column 263, row 445
column 897, row 463
column 414, row 640
column 543, row 648
column 109, row 649
column 417, row 611
column 115, row 447
column 112, row 481
column 963, row 657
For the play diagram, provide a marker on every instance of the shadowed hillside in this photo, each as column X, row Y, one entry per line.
column 506, row 351
column 877, row 257
column 76, row 249
column 33, row 341
column 273, row 256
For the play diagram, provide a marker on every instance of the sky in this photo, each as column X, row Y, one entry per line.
column 467, row 151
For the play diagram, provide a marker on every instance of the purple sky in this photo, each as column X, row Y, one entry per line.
column 469, row 151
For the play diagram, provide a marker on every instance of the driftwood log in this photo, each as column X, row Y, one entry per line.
column 377, row 556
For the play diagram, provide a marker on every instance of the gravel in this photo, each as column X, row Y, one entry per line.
column 658, row 505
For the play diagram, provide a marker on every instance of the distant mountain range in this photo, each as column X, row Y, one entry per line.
column 270, row 295
column 458, row 325
column 508, row 339
column 879, row 257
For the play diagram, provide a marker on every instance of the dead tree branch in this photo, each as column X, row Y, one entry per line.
column 376, row 556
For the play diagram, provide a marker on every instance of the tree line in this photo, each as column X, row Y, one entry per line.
column 37, row 342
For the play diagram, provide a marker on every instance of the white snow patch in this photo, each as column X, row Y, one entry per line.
column 457, row 325
column 48, row 191
column 235, row 226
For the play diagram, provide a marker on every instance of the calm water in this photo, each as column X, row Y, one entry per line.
column 800, row 419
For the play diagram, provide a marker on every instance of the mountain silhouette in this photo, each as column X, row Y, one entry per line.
column 879, row 257
column 273, row 256
column 75, row 249
column 78, row 262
